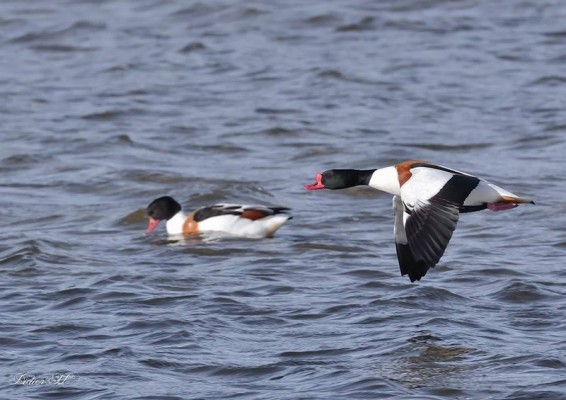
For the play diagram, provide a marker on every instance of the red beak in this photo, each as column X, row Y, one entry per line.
column 152, row 225
column 317, row 185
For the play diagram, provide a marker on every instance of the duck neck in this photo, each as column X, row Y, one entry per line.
column 361, row 177
column 175, row 223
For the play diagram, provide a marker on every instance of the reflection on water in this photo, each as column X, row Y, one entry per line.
column 429, row 365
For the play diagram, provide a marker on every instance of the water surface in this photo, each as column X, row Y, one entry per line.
column 107, row 105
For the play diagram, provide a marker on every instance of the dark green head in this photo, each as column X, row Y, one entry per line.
column 341, row 179
column 163, row 208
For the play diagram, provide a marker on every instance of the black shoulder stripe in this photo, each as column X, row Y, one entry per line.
column 417, row 165
column 208, row 212
column 279, row 210
column 235, row 207
column 218, row 209
column 456, row 190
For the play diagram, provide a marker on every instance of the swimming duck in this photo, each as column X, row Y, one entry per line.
column 234, row 219
column 427, row 201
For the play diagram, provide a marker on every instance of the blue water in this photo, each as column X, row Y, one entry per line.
column 107, row 105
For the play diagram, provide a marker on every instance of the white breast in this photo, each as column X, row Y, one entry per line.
column 386, row 180
column 175, row 224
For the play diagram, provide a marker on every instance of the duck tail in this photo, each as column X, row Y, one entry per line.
column 516, row 200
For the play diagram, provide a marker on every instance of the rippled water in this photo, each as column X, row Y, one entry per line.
column 107, row 105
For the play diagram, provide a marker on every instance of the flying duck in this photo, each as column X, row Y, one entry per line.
column 234, row 219
column 427, row 201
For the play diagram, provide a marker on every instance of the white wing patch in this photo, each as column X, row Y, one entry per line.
column 424, row 184
column 400, row 217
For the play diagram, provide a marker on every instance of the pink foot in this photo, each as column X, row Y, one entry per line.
column 501, row 206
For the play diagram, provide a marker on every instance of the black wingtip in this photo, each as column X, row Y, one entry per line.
column 419, row 270
column 408, row 265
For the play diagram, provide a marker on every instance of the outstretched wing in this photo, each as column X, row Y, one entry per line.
column 424, row 229
column 416, row 269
